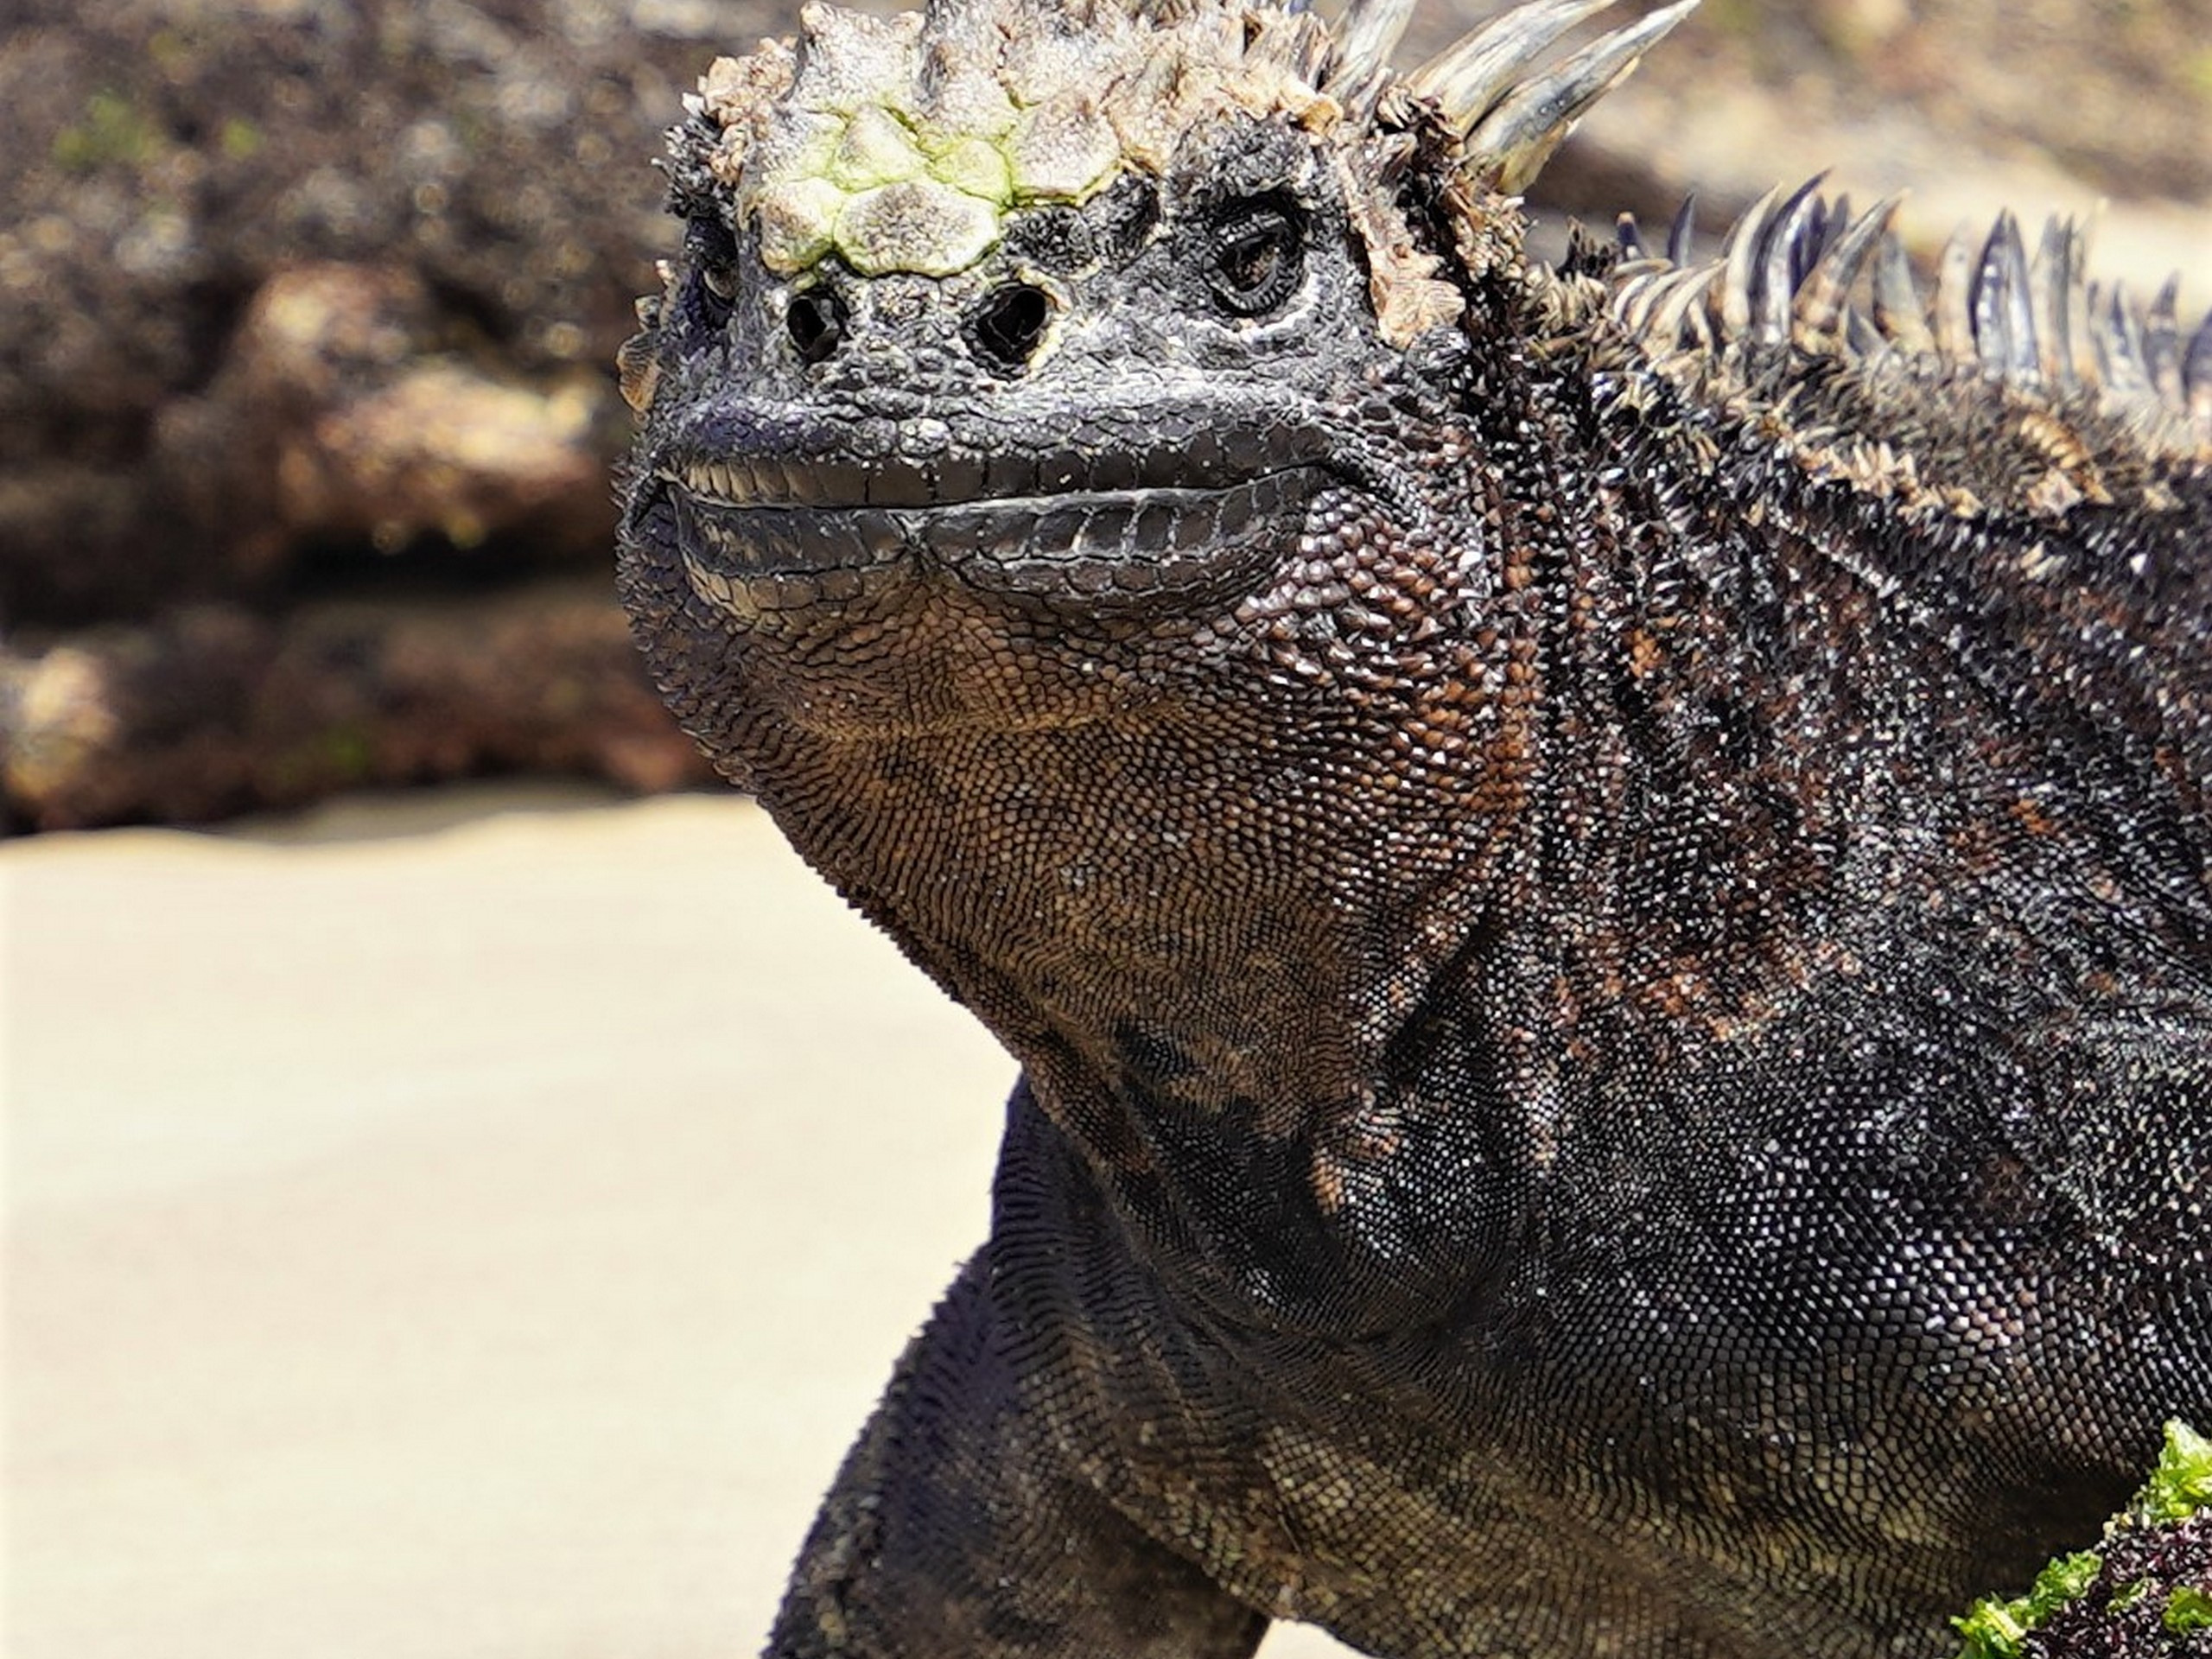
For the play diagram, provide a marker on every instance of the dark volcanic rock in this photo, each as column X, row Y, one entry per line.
column 485, row 168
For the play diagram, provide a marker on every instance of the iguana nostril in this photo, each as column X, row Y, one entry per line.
column 1006, row 327
column 815, row 321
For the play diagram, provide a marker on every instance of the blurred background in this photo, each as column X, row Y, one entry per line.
column 471, row 1223
column 307, row 309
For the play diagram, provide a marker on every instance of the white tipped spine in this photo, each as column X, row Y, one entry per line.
column 1469, row 76
column 1371, row 33
column 1517, row 136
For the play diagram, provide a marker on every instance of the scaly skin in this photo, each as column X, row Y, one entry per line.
column 1614, row 981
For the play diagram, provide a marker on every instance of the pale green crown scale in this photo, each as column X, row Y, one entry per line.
column 903, row 144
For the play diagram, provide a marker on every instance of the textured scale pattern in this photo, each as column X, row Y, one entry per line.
column 1599, row 873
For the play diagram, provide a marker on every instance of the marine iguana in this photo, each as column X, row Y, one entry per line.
column 1600, row 870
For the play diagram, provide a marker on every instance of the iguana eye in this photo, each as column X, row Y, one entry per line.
column 1258, row 257
column 714, row 259
column 715, row 287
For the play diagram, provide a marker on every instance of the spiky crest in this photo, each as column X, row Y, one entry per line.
column 2081, row 389
column 1511, row 112
column 902, row 144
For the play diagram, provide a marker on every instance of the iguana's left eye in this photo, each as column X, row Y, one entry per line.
column 1258, row 256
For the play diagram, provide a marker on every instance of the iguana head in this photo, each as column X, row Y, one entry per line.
column 1015, row 328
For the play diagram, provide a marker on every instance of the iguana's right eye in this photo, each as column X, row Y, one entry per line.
column 717, row 289
column 1257, row 257
column 714, row 257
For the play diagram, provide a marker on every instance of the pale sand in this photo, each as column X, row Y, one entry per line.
column 464, row 1227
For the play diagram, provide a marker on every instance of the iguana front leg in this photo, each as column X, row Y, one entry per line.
column 955, row 1529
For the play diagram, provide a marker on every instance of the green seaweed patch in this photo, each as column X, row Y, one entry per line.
column 241, row 139
column 337, row 756
column 2187, row 1610
column 2196, row 71
column 2179, row 1488
column 1996, row 1627
column 113, row 130
column 2182, row 1483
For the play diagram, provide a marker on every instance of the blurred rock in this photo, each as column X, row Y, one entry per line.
column 1968, row 106
column 335, row 417
column 212, row 710
column 301, row 299
column 189, row 183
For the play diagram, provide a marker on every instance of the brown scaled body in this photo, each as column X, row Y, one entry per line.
column 1599, row 873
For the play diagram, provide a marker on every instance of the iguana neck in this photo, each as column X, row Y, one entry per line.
column 1179, row 897
column 1200, row 944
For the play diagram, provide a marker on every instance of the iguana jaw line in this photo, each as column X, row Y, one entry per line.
column 1210, row 457
column 1089, row 527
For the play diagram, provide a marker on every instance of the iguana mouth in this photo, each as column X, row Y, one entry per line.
column 761, row 533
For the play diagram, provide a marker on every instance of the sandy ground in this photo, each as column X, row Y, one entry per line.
column 463, row 1225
